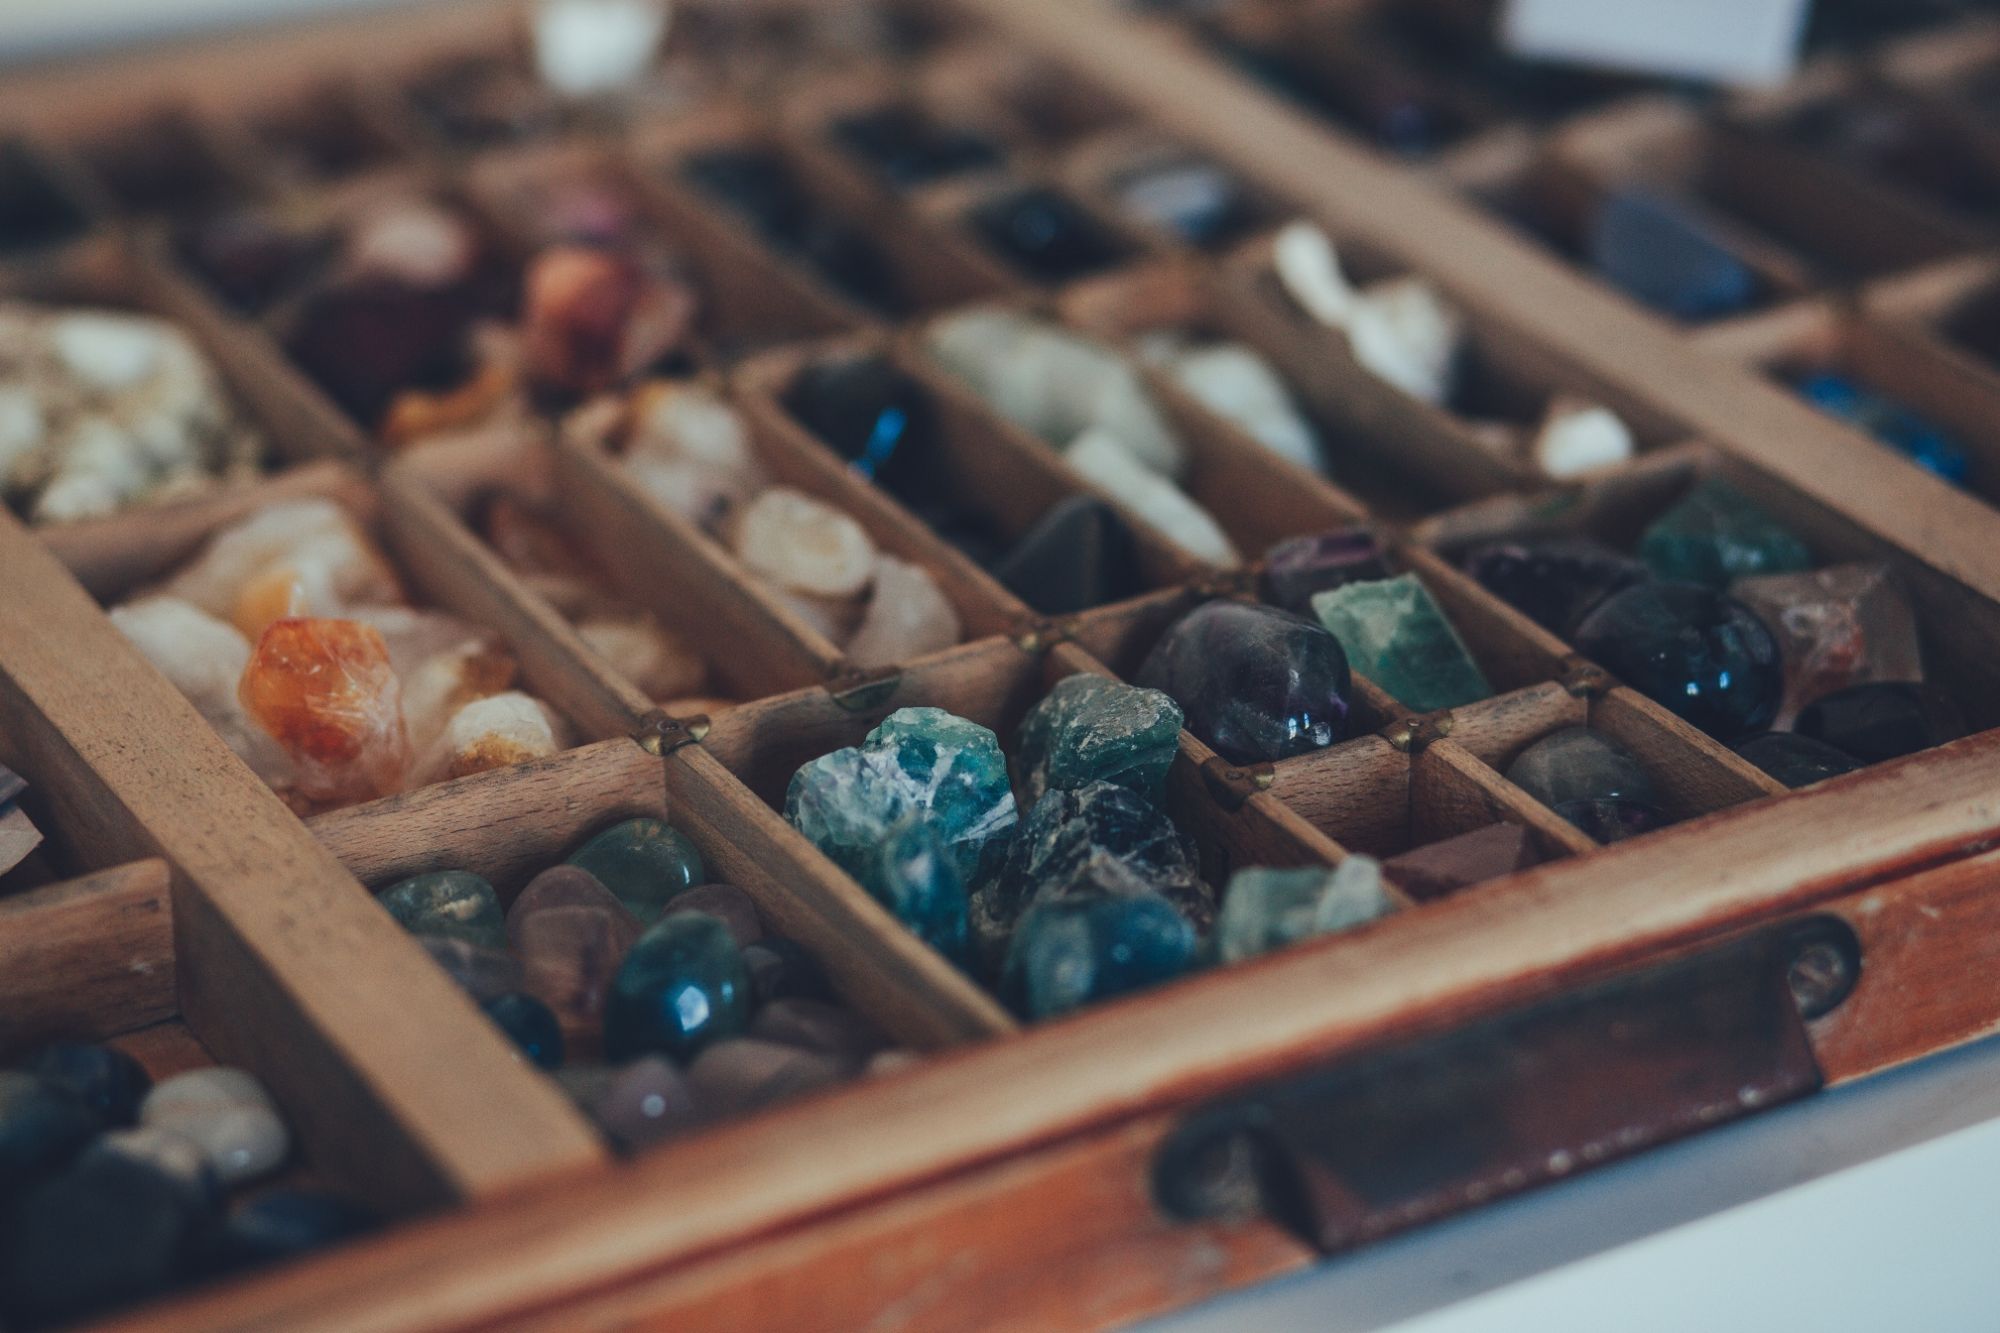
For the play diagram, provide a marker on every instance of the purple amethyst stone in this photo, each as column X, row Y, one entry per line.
column 1255, row 683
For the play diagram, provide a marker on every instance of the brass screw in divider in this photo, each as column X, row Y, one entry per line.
column 1823, row 967
column 1211, row 1169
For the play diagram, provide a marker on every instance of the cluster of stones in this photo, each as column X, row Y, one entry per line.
column 114, row 1189
column 291, row 635
column 1095, row 892
column 661, row 1002
column 104, row 409
column 1404, row 331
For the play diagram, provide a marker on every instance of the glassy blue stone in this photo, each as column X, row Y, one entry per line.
column 1254, row 682
column 644, row 862
column 108, row 1232
column 1795, row 760
column 761, row 186
column 1661, row 254
column 1090, row 729
column 1716, row 535
column 1046, row 234
column 1694, row 651
column 108, row 1081
column 455, row 903
column 780, row 969
column 872, row 415
column 1557, row 582
column 1592, row 781
column 1077, row 951
column 1078, row 555
column 42, row 1125
column 1880, row 722
column 917, row 879
column 1890, row 422
column 283, row 1224
column 910, row 149
column 530, row 1025
column 682, row 986
column 1297, row 568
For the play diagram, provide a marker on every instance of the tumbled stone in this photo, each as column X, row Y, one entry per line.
column 1234, row 381
column 1395, row 634
column 325, row 692
column 1889, row 421
column 1254, row 683
column 1701, row 655
column 1090, row 728
column 1578, row 437
column 530, row 1025
column 1443, row 868
column 498, row 731
column 1664, row 256
column 747, row 1074
column 909, row 148
column 172, row 1154
column 1836, row 627
column 816, row 1025
column 1193, row 200
column 1555, row 582
column 908, row 617
column 1886, row 720
column 557, row 887
column 1298, row 567
column 872, row 415
column 779, row 968
column 803, row 543
column 109, row 1232
column 228, row 1114
column 1046, row 234
column 644, row 862
column 568, row 957
column 1071, row 952
column 645, row 1102
column 279, row 1225
column 447, row 902
column 726, row 903
column 480, row 972
column 104, row 1078
column 1717, row 535
column 1265, row 909
column 1078, row 555
column 41, row 1126
column 1592, row 781
column 1797, row 761
column 682, row 987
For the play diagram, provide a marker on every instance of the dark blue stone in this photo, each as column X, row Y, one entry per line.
column 1696, row 652
column 106, row 1233
column 1078, row 555
column 42, row 1125
column 910, row 149
column 682, row 986
column 1890, row 422
column 1046, row 234
column 782, row 970
column 1255, row 683
column 108, row 1081
column 1797, row 761
column 283, row 1224
column 531, row 1025
column 872, row 415
column 1876, row 723
column 1659, row 253
column 1077, row 951
column 1556, row 582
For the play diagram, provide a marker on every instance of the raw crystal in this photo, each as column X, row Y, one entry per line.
column 1394, row 633
column 1797, row 761
column 588, row 48
column 1717, row 535
column 1883, row 721
column 908, row 616
column 805, row 544
column 228, row 1114
column 1265, row 909
column 1046, row 234
column 682, row 987
column 448, row 902
column 1692, row 650
column 495, row 732
column 1298, row 567
column 1089, row 728
column 1890, row 422
column 916, row 876
column 685, row 446
column 1555, row 582
column 324, row 690
column 295, row 558
column 1579, row 437
column 1441, row 869
column 591, row 317
column 738, row 1076
column 1236, row 383
column 1076, row 951
column 910, row 149
column 1661, row 254
column 815, row 1025
column 779, row 968
column 1405, row 332
column 1255, row 683
column 727, row 904
column 104, row 1078
column 530, row 1025
column 1078, row 555
column 1839, row 626
column 1101, row 459
column 872, row 415
column 204, row 658
column 643, row 862
column 1592, row 781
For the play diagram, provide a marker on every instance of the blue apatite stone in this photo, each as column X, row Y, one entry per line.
column 283, row 1224
column 1717, row 535
column 1090, row 729
column 454, row 903
column 644, row 862
column 530, row 1025
column 917, row 879
column 1077, row 951
column 42, row 1125
column 1890, row 422
column 108, row 1081
column 1659, row 253
column 682, row 986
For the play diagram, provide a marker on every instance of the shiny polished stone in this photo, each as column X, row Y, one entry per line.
column 1255, row 683
column 1078, row 555
column 910, row 149
column 284, row 1224
column 568, row 957
column 1703, row 656
column 1298, row 567
column 1661, row 254
column 228, row 1114
column 1884, row 721
column 1840, row 626
column 1395, row 634
column 1592, row 781
column 872, row 415
column 644, row 862
column 1076, row 951
column 816, row 1025
column 780, row 969
column 746, row 1074
column 530, row 1025
column 1091, row 728
column 448, row 902
column 1716, row 535
column 1265, row 909
column 41, row 1126
column 172, row 1154
column 105, row 1079
column 727, row 904
column 643, row 1103
column 1046, row 234
column 559, row 887
column 916, row 876
column 1556, row 582
column 1795, row 760
column 1441, row 869
column 682, row 987
column 108, row 1232
column 479, row 971
column 1890, row 422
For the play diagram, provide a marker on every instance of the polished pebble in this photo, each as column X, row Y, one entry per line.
column 228, row 1114
column 530, row 1025
column 747, row 1073
column 171, row 1153
column 282, row 1224
column 457, row 903
column 479, row 971
column 1840, row 626
column 779, row 968
column 1555, row 582
column 644, row 862
column 682, row 987
column 1795, row 760
column 557, row 887
column 642, row 1103
column 1254, row 682
column 108, row 1232
column 41, row 1126
column 1592, row 781
column 816, row 1025
column 727, row 904
column 1702, row 655
column 1884, row 721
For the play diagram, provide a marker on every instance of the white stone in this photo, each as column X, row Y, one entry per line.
column 804, row 544
column 1308, row 268
column 502, row 729
column 908, row 616
column 705, row 496
column 24, row 433
column 228, row 1115
column 106, row 350
column 306, row 554
column 588, row 47
column 640, row 650
column 169, row 1152
column 413, row 240
column 834, row 619
column 203, row 658
column 1578, row 437
column 440, row 685
column 1233, row 381
column 1162, row 506
column 691, row 422
column 1406, row 333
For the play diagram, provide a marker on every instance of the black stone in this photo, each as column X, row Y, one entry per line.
column 108, row 1081
column 1555, row 583
column 282, row 1224
column 530, row 1025
column 910, row 149
column 107, row 1233
column 1694, row 651
column 1876, row 723
column 872, row 415
column 761, row 186
column 42, row 1126
column 1797, row 761
column 1046, row 234
column 782, row 970
column 1255, row 683
column 1078, row 555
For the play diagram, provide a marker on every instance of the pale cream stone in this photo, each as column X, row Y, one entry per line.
column 1308, row 268
column 705, row 496
column 584, row 48
column 908, row 616
column 300, row 557
column 1233, row 381
column 690, row 422
column 106, row 350
column 834, row 619
column 494, row 732
column 644, row 653
column 203, row 658
column 1577, row 437
column 1162, row 506
column 804, row 544
column 1405, row 332
column 24, row 434
column 412, row 240
column 228, row 1115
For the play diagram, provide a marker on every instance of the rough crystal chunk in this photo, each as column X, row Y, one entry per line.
column 1836, row 627
column 1797, row 761
column 1395, row 634
column 644, row 862
column 1717, row 535
column 1265, row 909
column 1879, row 722
column 805, row 544
column 1255, row 683
column 448, row 902
column 325, row 691
column 1554, row 582
column 1700, row 654
column 1592, row 781
column 1102, row 459
column 682, row 987
column 1578, row 437
column 916, row 877
column 1090, row 728
column 1077, row 951
column 1298, row 567
column 1441, row 869
column 908, row 616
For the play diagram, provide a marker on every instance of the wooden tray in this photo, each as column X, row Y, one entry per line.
column 1154, row 1150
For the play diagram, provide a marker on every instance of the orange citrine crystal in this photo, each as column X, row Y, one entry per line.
column 325, row 691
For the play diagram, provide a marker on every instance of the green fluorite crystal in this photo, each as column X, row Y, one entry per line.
column 916, row 878
column 1395, row 635
column 1090, row 729
column 457, row 903
column 1264, row 909
column 644, row 862
column 1717, row 535
column 1076, row 951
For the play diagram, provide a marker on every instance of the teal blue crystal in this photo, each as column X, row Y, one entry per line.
column 1265, row 909
column 1395, row 635
column 1089, row 729
column 682, row 986
column 916, row 878
column 1077, row 951
column 644, row 862
column 457, row 903
column 1716, row 535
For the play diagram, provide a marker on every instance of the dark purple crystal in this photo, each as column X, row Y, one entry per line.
column 1555, row 583
column 1256, row 683
column 1297, row 568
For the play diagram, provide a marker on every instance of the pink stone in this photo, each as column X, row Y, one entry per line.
column 560, row 886
column 815, row 1025
column 743, row 1074
column 645, row 1102
column 1836, row 627
column 569, row 956
column 726, row 903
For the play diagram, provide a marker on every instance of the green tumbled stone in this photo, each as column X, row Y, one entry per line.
column 1394, row 634
column 457, row 903
column 644, row 862
column 1717, row 535
column 1265, row 909
column 682, row 986
column 1090, row 729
